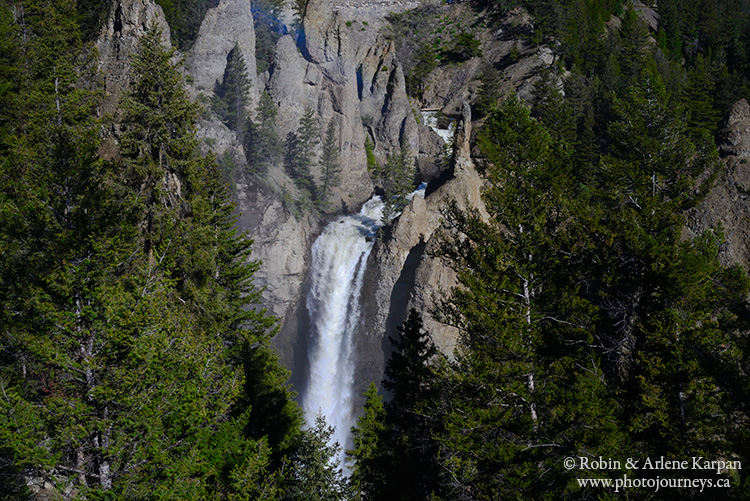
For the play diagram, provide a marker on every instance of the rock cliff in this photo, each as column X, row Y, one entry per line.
column 127, row 21
column 727, row 205
column 359, row 87
column 349, row 73
column 507, row 48
column 227, row 24
column 403, row 272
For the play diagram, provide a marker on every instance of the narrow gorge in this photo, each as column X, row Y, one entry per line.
column 339, row 290
column 373, row 249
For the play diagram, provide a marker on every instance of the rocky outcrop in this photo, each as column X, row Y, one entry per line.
column 735, row 138
column 361, row 88
column 403, row 272
column 386, row 110
column 508, row 49
column 127, row 22
column 727, row 205
column 227, row 24
column 282, row 243
column 319, row 70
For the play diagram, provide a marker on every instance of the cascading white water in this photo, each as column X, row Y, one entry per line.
column 339, row 258
column 430, row 118
column 339, row 261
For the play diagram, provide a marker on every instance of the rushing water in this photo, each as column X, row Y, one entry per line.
column 339, row 260
column 430, row 118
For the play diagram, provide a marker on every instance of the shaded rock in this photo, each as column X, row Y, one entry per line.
column 432, row 159
column 282, row 243
column 735, row 138
column 214, row 136
column 508, row 50
column 385, row 107
column 227, row 24
column 127, row 22
column 296, row 84
column 403, row 272
column 727, row 205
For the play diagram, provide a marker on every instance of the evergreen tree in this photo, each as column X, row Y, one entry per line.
column 9, row 72
column 300, row 152
column 53, row 212
column 395, row 450
column 552, row 110
column 329, row 165
column 397, row 178
column 425, row 60
column 579, row 94
column 264, row 146
column 521, row 357
column 409, row 440
column 295, row 165
column 231, row 94
column 370, row 468
column 125, row 294
column 634, row 36
column 489, row 91
column 697, row 97
column 308, row 134
column 267, row 16
column 316, row 473
column 185, row 18
column 661, row 300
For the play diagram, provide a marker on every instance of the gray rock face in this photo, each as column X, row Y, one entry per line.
column 450, row 85
column 296, row 84
column 360, row 88
column 282, row 243
column 323, row 74
column 214, row 136
column 385, row 107
column 728, row 203
column 323, row 41
column 735, row 138
column 403, row 272
column 127, row 22
column 228, row 23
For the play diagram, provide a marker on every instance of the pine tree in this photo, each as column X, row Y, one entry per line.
column 329, row 165
column 489, row 91
column 126, row 289
column 316, row 473
column 698, row 99
column 522, row 354
column 267, row 16
column 231, row 94
column 397, row 177
column 661, row 300
column 552, row 110
column 409, row 440
column 300, row 152
column 9, row 72
column 264, row 146
column 425, row 60
column 308, row 134
column 634, row 36
column 370, row 468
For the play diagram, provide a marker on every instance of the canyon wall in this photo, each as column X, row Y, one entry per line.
column 347, row 72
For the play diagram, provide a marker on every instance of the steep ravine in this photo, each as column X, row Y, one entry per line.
column 347, row 72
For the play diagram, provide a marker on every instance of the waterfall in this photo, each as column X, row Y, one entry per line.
column 339, row 258
column 430, row 118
